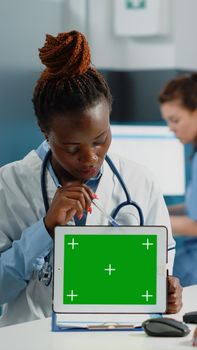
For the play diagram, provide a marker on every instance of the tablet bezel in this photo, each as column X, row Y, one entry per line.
column 159, row 307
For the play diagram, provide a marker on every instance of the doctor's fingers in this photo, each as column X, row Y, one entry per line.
column 175, row 307
column 174, row 286
column 174, row 302
column 83, row 187
column 61, row 211
column 63, row 216
column 174, row 295
column 68, row 216
column 63, row 204
column 77, row 193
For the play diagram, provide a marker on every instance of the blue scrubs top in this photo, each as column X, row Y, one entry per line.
column 185, row 264
column 191, row 196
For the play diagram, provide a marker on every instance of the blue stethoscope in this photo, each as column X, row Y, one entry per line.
column 45, row 274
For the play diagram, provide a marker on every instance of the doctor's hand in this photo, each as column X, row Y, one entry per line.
column 69, row 200
column 195, row 338
column 174, row 297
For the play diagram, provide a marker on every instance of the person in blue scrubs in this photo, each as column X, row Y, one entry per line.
column 178, row 104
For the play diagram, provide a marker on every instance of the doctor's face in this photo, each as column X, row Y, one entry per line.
column 181, row 121
column 79, row 142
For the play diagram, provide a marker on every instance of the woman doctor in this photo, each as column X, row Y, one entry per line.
column 72, row 103
column 178, row 102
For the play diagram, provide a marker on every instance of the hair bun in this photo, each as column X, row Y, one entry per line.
column 194, row 77
column 67, row 54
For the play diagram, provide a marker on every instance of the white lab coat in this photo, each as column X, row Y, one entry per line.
column 21, row 205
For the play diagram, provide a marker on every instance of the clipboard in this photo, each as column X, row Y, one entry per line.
column 92, row 326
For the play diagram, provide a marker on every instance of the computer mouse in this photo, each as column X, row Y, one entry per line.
column 165, row 327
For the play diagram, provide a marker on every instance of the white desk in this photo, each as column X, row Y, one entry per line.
column 37, row 335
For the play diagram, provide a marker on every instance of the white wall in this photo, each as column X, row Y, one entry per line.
column 112, row 51
column 186, row 34
column 24, row 23
column 178, row 49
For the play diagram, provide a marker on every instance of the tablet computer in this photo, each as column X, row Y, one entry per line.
column 104, row 269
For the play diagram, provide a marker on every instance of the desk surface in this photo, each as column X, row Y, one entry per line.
column 37, row 335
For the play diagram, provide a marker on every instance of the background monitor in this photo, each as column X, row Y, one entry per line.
column 157, row 148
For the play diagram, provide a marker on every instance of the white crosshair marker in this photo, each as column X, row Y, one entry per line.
column 71, row 295
column 148, row 244
column 110, row 269
column 73, row 243
column 147, row 296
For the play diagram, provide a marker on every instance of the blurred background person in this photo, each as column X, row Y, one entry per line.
column 178, row 104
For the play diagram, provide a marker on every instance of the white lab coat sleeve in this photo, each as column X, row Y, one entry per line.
column 157, row 214
column 18, row 262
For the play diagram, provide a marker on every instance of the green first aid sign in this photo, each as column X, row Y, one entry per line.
column 110, row 269
column 135, row 4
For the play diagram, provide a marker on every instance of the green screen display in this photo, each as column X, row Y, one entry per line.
column 110, row 269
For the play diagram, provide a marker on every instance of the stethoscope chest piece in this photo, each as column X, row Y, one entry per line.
column 45, row 274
